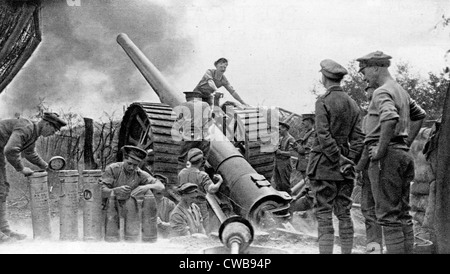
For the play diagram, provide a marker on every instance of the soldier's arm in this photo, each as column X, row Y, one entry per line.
column 388, row 120
column 417, row 116
column 33, row 157
column 327, row 144
column 208, row 75
column 107, row 182
column 13, row 148
column 231, row 90
column 356, row 141
column 150, row 182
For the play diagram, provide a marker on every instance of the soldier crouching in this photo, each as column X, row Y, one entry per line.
column 125, row 190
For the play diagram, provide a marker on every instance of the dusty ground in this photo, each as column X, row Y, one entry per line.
column 301, row 242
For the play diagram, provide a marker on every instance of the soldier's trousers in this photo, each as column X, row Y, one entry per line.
column 374, row 233
column 4, row 186
column 333, row 197
column 282, row 175
column 390, row 178
column 204, row 146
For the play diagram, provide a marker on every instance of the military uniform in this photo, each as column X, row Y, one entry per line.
column 203, row 181
column 374, row 233
column 164, row 208
column 186, row 218
column 303, row 148
column 282, row 168
column 19, row 136
column 192, row 127
column 116, row 176
column 338, row 133
column 390, row 176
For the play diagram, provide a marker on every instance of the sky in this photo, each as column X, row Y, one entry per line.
column 274, row 48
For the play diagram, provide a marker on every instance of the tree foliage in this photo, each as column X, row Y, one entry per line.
column 429, row 92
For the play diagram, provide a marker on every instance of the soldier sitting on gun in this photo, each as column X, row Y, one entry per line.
column 186, row 218
column 193, row 174
column 128, row 184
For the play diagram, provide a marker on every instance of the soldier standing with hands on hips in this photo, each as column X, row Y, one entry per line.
column 391, row 168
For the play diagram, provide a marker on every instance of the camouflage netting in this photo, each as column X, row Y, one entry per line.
column 20, row 36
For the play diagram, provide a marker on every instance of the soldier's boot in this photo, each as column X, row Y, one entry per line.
column 408, row 233
column 394, row 239
column 346, row 233
column 4, row 226
column 326, row 239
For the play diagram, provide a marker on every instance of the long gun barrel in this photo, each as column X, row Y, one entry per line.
column 253, row 194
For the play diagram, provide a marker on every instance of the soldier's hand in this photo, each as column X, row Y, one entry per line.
column 375, row 153
column 122, row 190
column 218, row 178
column 27, row 171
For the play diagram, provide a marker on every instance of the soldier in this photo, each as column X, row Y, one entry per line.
column 127, row 182
column 19, row 136
column 391, row 167
column 338, row 144
column 282, row 168
column 193, row 174
column 164, row 208
column 374, row 234
column 194, row 118
column 212, row 80
column 303, row 145
column 304, row 200
column 186, row 218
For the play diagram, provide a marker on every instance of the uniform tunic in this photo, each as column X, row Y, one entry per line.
column 164, row 208
column 305, row 145
column 202, row 180
column 283, row 169
column 185, row 221
column 17, row 136
column 206, row 90
column 115, row 176
column 338, row 132
column 391, row 176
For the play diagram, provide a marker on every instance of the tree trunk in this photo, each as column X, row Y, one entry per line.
column 89, row 162
column 442, row 191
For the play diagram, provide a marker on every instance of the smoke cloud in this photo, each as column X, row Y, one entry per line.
column 79, row 66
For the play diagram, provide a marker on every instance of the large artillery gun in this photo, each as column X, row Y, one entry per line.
column 246, row 167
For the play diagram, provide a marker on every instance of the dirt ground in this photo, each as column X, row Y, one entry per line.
column 303, row 241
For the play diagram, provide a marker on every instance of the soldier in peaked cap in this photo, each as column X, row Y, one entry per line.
column 18, row 136
column 305, row 200
column 338, row 142
column 193, row 174
column 129, row 185
column 282, row 169
column 392, row 125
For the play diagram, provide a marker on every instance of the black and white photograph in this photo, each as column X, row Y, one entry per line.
column 251, row 127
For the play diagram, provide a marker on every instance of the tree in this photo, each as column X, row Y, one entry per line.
column 429, row 92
